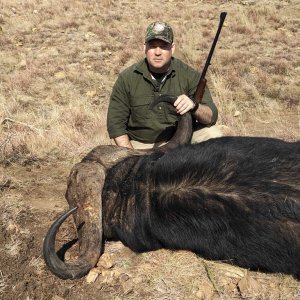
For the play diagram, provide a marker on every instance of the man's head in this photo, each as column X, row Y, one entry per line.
column 159, row 46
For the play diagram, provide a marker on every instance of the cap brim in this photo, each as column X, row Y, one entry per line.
column 158, row 38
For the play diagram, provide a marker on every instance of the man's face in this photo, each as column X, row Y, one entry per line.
column 158, row 54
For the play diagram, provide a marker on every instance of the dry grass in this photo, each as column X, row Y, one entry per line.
column 3, row 284
column 59, row 62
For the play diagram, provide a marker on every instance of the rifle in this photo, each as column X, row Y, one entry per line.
column 202, row 82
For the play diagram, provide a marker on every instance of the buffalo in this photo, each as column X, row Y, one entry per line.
column 235, row 199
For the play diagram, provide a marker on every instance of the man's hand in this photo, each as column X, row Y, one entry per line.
column 123, row 141
column 183, row 104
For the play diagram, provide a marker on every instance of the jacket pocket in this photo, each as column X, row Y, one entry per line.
column 140, row 110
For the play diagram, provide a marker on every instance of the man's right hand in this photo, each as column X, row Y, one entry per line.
column 183, row 104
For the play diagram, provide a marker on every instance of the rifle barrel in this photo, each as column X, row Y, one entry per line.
column 222, row 19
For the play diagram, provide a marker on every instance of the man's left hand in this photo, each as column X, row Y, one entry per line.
column 183, row 104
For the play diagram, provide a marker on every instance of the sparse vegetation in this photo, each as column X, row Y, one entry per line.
column 58, row 63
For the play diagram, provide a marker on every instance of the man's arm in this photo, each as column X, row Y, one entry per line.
column 118, row 114
column 123, row 141
column 203, row 114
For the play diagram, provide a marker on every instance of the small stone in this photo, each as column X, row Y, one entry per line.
column 67, row 256
column 91, row 93
column 106, row 261
column 108, row 276
column 236, row 113
column 60, row 75
column 206, row 291
column 127, row 287
column 123, row 277
column 249, row 286
column 92, row 276
column 111, row 273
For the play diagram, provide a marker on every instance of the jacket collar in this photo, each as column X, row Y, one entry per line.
column 142, row 68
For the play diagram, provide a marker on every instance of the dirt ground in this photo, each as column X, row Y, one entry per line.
column 32, row 196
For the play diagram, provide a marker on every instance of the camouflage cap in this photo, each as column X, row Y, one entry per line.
column 159, row 30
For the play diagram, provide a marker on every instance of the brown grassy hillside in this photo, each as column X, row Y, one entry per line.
column 58, row 62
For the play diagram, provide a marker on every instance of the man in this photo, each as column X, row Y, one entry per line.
column 131, row 123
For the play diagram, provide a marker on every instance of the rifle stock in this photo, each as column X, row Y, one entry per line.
column 202, row 82
column 200, row 89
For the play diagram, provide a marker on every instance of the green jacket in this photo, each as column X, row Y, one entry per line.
column 134, row 90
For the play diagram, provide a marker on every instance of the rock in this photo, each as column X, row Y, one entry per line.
column 123, row 277
column 236, row 113
column 92, row 276
column 127, row 286
column 109, row 276
column 206, row 291
column 22, row 64
column 111, row 273
column 106, row 261
column 91, row 93
column 248, row 286
column 232, row 271
column 60, row 75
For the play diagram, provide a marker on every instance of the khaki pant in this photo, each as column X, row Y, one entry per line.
column 199, row 135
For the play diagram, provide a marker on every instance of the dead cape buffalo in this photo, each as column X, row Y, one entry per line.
column 235, row 199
